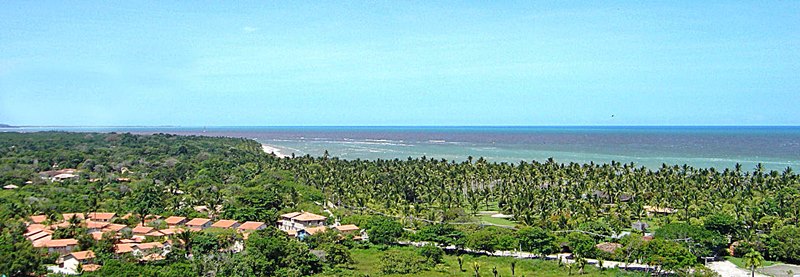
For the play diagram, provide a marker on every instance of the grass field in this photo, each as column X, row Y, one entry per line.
column 368, row 262
column 497, row 221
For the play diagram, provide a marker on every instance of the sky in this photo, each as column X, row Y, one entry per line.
column 279, row 63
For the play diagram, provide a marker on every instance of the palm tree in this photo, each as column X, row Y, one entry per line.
column 186, row 237
column 753, row 260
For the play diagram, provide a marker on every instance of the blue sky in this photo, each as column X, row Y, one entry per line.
column 400, row 63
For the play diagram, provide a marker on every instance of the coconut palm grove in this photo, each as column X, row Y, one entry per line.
column 415, row 216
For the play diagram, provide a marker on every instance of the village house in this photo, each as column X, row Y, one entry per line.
column 62, row 246
column 102, row 217
column 658, row 210
column 198, row 224
column 175, row 221
column 116, row 228
column 141, row 230
column 38, row 219
column 297, row 221
column 310, row 231
column 252, row 226
column 59, row 175
column 39, row 236
column 71, row 261
column 68, row 216
column 350, row 229
column 226, row 224
column 94, row 226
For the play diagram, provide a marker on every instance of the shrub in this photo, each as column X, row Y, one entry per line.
column 432, row 254
column 402, row 262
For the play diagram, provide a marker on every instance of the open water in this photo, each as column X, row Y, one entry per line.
column 774, row 147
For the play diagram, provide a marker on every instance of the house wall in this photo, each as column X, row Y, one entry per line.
column 71, row 264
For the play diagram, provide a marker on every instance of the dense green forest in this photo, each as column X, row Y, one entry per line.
column 691, row 212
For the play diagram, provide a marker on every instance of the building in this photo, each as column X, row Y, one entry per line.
column 175, row 221
column 198, row 224
column 68, row 216
column 102, row 217
column 62, row 246
column 226, row 224
column 59, row 175
column 347, row 229
column 658, row 210
column 142, row 230
column 300, row 220
column 310, row 231
column 39, row 236
column 38, row 219
column 252, row 226
column 71, row 261
column 115, row 228
column 350, row 229
column 95, row 226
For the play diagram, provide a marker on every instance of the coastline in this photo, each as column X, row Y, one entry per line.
column 273, row 150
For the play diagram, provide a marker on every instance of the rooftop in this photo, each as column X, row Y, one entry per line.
column 101, row 216
column 83, row 255
column 172, row 220
column 304, row 216
column 38, row 218
column 348, row 227
column 251, row 225
column 198, row 221
column 60, row 242
column 224, row 223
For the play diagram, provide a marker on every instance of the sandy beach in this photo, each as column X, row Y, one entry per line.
column 273, row 150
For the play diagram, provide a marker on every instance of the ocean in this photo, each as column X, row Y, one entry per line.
column 720, row 147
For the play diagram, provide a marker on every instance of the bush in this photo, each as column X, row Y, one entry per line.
column 383, row 230
column 402, row 262
column 432, row 254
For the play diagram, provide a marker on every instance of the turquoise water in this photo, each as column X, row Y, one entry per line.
column 775, row 147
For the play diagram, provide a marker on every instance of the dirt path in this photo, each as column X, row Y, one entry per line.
column 728, row 269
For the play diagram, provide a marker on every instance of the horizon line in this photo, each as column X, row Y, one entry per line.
column 10, row 126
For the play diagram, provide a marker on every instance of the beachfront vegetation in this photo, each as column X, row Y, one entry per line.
column 693, row 212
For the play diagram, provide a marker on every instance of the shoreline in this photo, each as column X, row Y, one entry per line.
column 273, row 150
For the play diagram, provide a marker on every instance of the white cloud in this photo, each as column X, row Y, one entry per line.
column 249, row 29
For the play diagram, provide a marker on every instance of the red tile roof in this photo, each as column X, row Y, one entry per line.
column 101, row 216
column 315, row 230
column 83, row 255
column 197, row 222
column 174, row 220
column 251, row 225
column 60, row 243
column 224, row 223
column 38, row 218
column 348, row 227
column 142, row 229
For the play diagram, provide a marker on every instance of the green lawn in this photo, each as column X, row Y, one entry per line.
column 740, row 262
column 497, row 221
column 368, row 262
